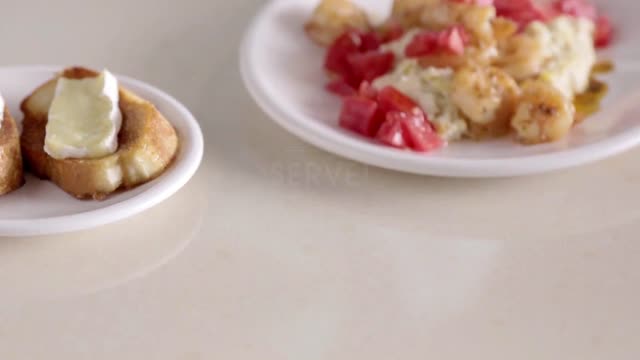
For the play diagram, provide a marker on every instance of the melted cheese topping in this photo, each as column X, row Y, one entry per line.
column 84, row 118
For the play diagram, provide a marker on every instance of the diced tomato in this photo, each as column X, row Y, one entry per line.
column 451, row 40
column 404, row 130
column 361, row 115
column 604, row 31
column 475, row 2
column 370, row 41
column 424, row 43
column 370, row 65
column 577, row 8
column 341, row 88
column 388, row 115
column 523, row 11
column 351, row 42
column 419, row 134
column 390, row 99
column 354, row 57
column 394, row 119
column 391, row 132
column 515, row 6
column 368, row 91
column 336, row 59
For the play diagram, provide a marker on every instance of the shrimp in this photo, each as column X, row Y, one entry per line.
column 487, row 97
column 479, row 21
column 503, row 28
column 543, row 115
column 332, row 18
column 524, row 55
column 408, row 12
column 441, row 14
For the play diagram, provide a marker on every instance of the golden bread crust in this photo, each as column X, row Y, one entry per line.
column 147, row 144
column 11, row 168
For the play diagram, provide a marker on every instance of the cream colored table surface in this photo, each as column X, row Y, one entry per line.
column 279, row 251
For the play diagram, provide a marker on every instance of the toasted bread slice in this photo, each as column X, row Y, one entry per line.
column 11, row 174
column 147, row 144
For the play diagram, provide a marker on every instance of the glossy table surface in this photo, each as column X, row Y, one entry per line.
column 276, row 250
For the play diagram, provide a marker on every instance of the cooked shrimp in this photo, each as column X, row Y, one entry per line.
column 479, row 21
column 408, row 12
column 332, row 18
column 544, row 114
column 476, row 19
column 503, row 28
column 487, row 96
column 524, row 55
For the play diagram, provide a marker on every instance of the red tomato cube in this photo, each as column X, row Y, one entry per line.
column 390, row 99
column 368, row 91
column 419, row 134
column 370, row 65
column 604, row 31
column 361, row 115
column 341, row 88
column 336, row 59
column 391, row 132
column 577, row 8
column 451, row 40
column 354, row 57
column 370, row 41
column 523, row 11
column 475, row 2
column 424, row 43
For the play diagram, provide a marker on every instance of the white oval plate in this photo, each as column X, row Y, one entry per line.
column 282, row 70
column 41, row 208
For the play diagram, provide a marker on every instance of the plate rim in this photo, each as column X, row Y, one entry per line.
column 183, row 169
column 327, row 139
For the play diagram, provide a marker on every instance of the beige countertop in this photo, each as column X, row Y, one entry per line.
column 260, row 258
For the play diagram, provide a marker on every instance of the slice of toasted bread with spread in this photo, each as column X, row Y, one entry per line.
column 147, row 144
column 11, row 173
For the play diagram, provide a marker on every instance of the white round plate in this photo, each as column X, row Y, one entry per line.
column 40, row 208
column 283, row 71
